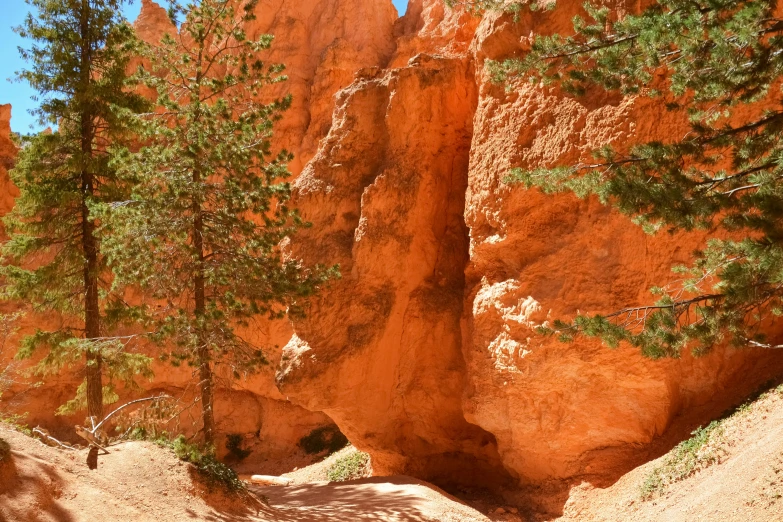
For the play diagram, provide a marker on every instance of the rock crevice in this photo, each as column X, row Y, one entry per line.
column 380, row 351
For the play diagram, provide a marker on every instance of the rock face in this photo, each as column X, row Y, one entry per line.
column 322, row 44
column 153, row 22
column 7, row 156
column 7, row 147
column 424, row 353
column 318, row 43
column 433, row 322
column 559, row 410
column 380, row 351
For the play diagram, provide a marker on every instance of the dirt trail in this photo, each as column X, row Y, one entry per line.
column 390, row 499
column 139, row 481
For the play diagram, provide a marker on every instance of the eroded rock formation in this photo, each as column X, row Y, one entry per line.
column 319, row 43
column 379, row 353
column 386, row 195
column 8, row 152
column 424, row 353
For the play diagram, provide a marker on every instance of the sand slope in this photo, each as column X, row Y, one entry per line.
column 139, row 481
column 747, row 485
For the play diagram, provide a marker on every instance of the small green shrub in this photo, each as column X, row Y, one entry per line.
column 704, row 448
column 214, row 472
column 218, row 474
column 652, row 484
column 325, row 438
column 698, row 452
column 234, row 447
column 352, row 466
column 139, row 433
column 16, row 421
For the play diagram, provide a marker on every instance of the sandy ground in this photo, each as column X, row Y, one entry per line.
column 379, row 498
column 139, row 481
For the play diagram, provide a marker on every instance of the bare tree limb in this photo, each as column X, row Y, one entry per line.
column 156, row 398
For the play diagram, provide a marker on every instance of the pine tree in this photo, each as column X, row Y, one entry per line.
column 717, row 60
column 202, row 230
column 53, row 262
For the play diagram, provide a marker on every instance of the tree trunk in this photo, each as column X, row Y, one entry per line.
column 207, row 400
column 203, row 353
column 92, row 324
column 92, row 319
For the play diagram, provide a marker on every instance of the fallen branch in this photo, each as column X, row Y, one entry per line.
column 48, row 438
column 89, row 437
column 90, row 434
column 159, row 397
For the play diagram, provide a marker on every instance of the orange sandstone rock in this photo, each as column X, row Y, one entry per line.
column 378, row 351
column 322, row 43
column 153, row 22
column 8, row 152
column 431, row 27
column 7, row 147
column 558, row 410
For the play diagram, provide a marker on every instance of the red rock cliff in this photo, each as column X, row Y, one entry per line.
column 425, row 353
column 7, row 156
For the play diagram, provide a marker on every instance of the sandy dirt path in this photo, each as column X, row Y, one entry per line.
column 393, row 499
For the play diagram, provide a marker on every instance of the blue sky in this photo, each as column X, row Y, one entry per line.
column 18, row 94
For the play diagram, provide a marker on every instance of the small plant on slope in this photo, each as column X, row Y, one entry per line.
column 703, row 449
column 707, row 446
column 352, row 466
column 214, row 472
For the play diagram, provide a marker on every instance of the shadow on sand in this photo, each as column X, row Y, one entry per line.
column 33, row 495
column 378, row 498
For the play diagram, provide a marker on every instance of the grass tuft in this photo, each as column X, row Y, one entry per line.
column 352, row 466
column 702, row 450
column 707, row 446
column 17, row 422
